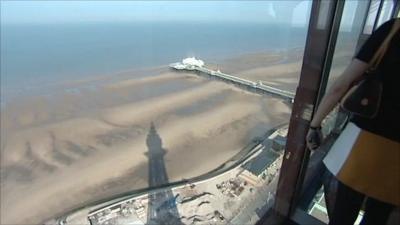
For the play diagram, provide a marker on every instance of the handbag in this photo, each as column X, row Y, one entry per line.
column 364, row 98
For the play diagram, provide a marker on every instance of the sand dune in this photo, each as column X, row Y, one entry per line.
column 41, row 139
column 146, row 80
column 127, row 114
column 274, row 71
column 117, row 160
column 91, row 128
column 285, row 76
column 37, row 110
column 200, row 126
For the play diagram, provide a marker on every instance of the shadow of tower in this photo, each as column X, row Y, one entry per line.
column 162, row 206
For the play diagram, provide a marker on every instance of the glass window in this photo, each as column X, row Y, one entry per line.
column 351, row 26
column 386, row 12
column 372, row 13
column 347, row 40
column 178, row 108
column 346, row 47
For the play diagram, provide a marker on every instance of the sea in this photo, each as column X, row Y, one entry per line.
column 34, row 56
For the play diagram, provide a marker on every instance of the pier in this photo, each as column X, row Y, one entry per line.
column 193, row 64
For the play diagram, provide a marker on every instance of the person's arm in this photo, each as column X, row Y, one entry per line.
column 339, row 88
column 352, row 73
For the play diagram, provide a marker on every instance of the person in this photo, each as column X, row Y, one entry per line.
column 365, row 159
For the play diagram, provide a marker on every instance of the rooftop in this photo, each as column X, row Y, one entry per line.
column 261, row 162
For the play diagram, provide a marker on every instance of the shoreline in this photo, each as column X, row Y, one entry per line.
column 139, row 72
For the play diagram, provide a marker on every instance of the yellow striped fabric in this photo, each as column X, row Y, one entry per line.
column 371, row 164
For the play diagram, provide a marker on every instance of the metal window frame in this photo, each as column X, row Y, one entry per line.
column 378, row 15
column 316, row 171
column 396, row 8
column 363, row 36
column 314, row 76
column 317, row 60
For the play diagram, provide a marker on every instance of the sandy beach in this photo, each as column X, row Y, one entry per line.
column 71, row 148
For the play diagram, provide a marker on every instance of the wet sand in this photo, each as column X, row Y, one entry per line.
column 68, row 149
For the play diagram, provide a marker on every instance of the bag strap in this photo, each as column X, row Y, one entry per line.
column 376, row 59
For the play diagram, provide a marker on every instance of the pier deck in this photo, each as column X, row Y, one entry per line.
column 250, row 85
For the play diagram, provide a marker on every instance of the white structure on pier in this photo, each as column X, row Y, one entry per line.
column 189, row 64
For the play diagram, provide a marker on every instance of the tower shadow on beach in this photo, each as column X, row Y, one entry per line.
column 162, row 205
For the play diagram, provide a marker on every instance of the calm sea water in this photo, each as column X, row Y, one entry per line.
column 39, row 55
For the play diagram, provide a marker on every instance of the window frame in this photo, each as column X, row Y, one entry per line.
column 317, row 60
column 292, row 196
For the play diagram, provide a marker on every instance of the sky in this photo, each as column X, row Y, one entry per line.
column 43, row 12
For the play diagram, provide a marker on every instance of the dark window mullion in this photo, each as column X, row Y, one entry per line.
column 316, row 60
column 362, row 37
column 396, row 8
column 378, row 14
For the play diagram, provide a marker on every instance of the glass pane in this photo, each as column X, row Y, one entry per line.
column 373, row 12
column 318, row 209
column 280, row 66
column 143, row 112
column 386, row 12
column 346, row 46
column 350, row 29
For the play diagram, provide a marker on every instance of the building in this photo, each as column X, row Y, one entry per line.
column 257, row 168
column 188, row 63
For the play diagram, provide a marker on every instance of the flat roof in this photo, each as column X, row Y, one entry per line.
column 261, row 162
